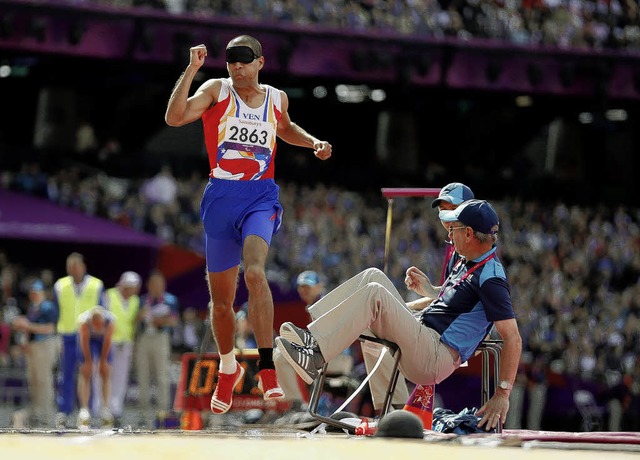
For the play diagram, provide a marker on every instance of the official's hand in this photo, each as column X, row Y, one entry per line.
column 416, row 280
column 322, row 150
column 494, row 411
column 197, row 55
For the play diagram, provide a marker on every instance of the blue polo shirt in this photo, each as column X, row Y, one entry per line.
column 45, row 313
column 475, row 294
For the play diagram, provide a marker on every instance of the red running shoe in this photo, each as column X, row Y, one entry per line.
column 268, row 383
column 223, row 395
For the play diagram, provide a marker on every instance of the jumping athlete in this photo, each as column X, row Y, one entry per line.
column 240, row 208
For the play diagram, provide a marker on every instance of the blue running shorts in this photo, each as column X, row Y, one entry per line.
column 230, row 211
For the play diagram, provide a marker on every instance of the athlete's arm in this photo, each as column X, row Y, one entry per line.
column 293, row 134
column 183, row 109
column 106, row 343
column 83, row 333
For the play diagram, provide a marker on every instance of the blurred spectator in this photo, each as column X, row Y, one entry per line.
column 577, row 24
column 10, row 351
column 38, row 331
column 158, row 315
column 190, row 331
column 31, row 179
column 161, row 188
column 123, row 302
column 73, row 295
column 95, row 332
column 86, row 141
column 244, row 332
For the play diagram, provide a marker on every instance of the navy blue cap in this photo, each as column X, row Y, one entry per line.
column 477, row 214
column 454, row 193
column 308, row 278
column 37, row 285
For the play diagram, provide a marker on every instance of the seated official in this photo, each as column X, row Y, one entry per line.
column 437, row 339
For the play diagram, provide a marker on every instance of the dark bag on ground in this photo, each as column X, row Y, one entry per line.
column 464, row 422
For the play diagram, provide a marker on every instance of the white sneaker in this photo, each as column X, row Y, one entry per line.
column 107, row 418
column 84, row 419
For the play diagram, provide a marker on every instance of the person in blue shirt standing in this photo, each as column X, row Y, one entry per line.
column 39, row 327
column 157, row 317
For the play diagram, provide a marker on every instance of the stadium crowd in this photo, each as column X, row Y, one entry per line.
column 589, row 24
column 574, row 270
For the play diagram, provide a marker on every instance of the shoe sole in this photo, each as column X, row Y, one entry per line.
column 84, row 425
column 293, row 337
column 296, row 367
column 273, row 393
column 290, row 335
column 225, row 410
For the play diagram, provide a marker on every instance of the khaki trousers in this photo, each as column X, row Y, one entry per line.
column 41, row 359
column 153, row 356
column 369, row 303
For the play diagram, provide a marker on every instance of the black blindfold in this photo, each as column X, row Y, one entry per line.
column 242, row 54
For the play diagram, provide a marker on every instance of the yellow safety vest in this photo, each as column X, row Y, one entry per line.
column 125, row 324
column 71, row 305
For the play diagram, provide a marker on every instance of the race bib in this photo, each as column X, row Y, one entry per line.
column 253, row 136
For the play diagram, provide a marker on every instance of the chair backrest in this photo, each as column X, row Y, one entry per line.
column 589, row 409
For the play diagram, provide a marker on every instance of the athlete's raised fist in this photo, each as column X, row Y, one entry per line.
column 197, row 55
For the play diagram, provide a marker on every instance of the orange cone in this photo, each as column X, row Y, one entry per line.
column 421, row 403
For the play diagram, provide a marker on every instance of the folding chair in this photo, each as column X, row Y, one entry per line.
column 386, row 406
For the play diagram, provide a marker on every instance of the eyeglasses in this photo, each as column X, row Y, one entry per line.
column 451, row 229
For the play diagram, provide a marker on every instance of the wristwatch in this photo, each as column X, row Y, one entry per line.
column 505, row 385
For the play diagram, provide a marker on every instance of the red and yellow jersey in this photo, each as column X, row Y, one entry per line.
column 240, row 140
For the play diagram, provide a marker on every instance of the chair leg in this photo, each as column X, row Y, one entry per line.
column 484, row 389
column 319, row 384
column 489, row 350
column 388, row 399
column 315, row 399
column 496, row 376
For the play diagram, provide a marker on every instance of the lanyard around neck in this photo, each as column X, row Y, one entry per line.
column 466, row 275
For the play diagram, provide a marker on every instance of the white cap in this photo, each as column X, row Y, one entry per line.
column 130, row 279
column 98, row 310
